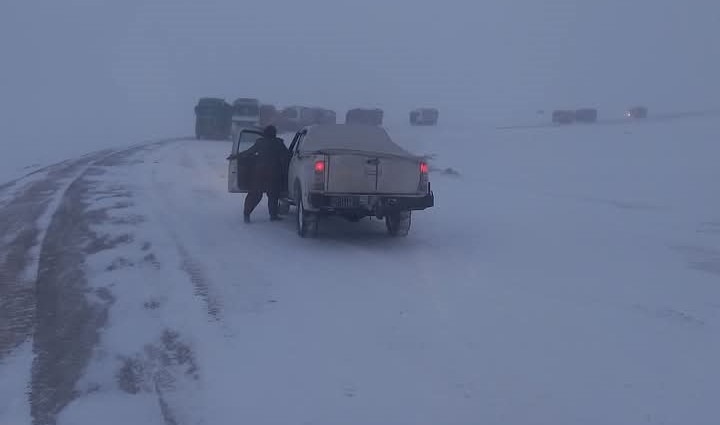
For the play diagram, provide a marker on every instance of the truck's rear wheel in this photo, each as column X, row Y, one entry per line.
column 307, row 223
column 398, row 224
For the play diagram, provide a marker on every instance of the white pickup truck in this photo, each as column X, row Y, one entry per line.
column 353, row 171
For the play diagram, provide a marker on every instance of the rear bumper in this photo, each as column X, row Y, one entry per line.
column 379, row 205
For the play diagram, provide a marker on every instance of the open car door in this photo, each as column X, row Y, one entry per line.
column 240, row 169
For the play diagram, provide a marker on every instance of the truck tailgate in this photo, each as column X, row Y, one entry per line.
column 398, row 176
column 351, row 173
column 372, row 174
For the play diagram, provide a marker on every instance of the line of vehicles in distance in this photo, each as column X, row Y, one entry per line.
column 590, row 115
column 216, row 119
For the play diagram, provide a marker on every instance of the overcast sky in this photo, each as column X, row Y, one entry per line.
column 105, row 71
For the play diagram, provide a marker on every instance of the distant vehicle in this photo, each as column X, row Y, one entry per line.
column 563, row 116
column 424, row 116
column 351, row 171
column 586, row 115
column 364, row 116
column 212, row 119
column 293, row 118
column 637, row 112
column 324, row 116
column 245, row 113
column 268, row 115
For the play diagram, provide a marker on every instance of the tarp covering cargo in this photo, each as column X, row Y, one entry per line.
column 350, row 137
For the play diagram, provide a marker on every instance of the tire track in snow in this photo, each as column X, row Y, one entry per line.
column 193, row 268
column 199, row 279
column 22, row 234
column 69, row 313
column 26, row 207
column 44, row 293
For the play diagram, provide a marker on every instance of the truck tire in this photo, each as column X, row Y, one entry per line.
column 307, row 222
column 398, row 224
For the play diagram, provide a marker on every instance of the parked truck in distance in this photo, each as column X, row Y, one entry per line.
column 324, row 116
column 586, row 115
column 292, row 118
column 637, row 112
column 212, row 119
column 563, row 116
column 245, row 113
column 268, row 115
column 351, row 171
column 424, row 116
column 364, row 116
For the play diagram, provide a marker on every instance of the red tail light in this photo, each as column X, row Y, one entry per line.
column 423, row 184
column 319, row 180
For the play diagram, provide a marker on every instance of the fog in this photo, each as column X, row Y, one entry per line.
column 90, row 73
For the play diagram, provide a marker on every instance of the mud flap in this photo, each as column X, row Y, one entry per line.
column 398, row 224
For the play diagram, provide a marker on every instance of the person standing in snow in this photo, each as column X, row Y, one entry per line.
column 271, row 157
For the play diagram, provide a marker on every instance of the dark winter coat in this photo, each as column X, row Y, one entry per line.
column 271, row 159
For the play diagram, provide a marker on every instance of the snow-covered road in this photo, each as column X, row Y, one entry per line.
column 566, row 276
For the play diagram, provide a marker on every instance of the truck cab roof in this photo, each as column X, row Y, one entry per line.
column 211, row 101
column 245, row 100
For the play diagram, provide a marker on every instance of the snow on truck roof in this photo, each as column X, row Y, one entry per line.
column 367, row 138
column 245, row 101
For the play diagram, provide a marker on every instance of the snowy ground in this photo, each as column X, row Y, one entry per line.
column 566, row 276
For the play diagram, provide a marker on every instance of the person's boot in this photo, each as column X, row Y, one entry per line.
column 246, row 218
